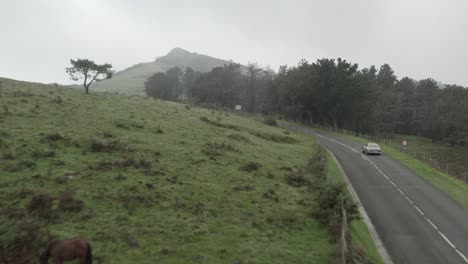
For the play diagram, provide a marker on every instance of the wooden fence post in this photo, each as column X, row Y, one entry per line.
column 343, row 232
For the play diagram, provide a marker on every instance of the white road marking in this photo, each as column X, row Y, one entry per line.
column 419, row 210
column 462, row 256
column 407, row 198
column 446, row 239
column 400, row 191
column 430, row 222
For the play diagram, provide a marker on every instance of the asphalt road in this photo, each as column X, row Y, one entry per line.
column 416, row 222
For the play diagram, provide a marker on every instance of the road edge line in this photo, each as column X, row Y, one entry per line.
column 378, row 242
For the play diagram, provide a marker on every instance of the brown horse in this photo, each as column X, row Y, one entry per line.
column 64, row 250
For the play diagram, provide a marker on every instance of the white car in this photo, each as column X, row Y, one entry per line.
column 371, row 148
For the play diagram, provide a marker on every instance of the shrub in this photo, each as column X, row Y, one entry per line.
column 327, row 210
column 218, row 124
column 158, row 130
column 297, row 178
column 251, row 166
column 138, row 125
column 239, row 137
column 20, row 240
column 68, row 202
column 41, row 204
column 217, row 149
column 54, row 137
column 108, row 145
column 273, row 137
column 120, row 123
column 271, row 194
column 57, row 100
column 36, row 153
column 271, row 121
column 4, row 133
column 248, row 187
column 15, row 166
column 6, row 110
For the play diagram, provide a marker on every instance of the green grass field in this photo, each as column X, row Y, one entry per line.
column 456, row 188
column 161, row 182
column 450, row 159
column 360, row 235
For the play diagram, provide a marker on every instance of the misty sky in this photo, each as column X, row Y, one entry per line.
column 418, row 38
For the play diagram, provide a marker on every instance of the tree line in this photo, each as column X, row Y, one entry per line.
column 328, row 92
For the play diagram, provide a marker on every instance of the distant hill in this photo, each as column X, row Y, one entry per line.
column 132, row 79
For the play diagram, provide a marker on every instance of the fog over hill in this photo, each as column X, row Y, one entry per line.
column 132, row 79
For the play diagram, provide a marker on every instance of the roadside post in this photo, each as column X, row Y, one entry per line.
column 404, row 143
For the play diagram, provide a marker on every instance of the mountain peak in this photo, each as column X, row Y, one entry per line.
column 178, row 52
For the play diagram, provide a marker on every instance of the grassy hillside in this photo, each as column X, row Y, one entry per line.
column 450, row 159
column 131, row 80
column 148, row 181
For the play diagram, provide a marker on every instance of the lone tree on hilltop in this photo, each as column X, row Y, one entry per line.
column 89, row 71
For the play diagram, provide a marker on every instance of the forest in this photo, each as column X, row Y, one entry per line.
column 329, row 92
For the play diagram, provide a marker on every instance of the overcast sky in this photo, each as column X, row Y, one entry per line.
column 418, row 38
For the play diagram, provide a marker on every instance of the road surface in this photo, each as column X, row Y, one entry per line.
column 416, row 222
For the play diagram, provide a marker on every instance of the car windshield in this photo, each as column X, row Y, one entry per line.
column 373, row 145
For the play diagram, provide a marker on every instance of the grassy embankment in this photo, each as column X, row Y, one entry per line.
column 456, row 188
column 152, row 180
column 359, row 232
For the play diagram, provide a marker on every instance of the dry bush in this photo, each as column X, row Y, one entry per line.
column 132, row 198
column 120, row 123
column 136, row 124
column 53, row 137
column 68, row 202
column 124, row 163
column 271, row 121
column 217, row 149
column 218, row 124
column 18, row 165
column 41, row 204
column 239, row 137
column 37, row 153
column 21, row 239
column 158, row 130
column 297, row 178
column 98, row 145
column 327, row 210
column 274, row 137
column 271, row 194
column 251, row 166
column 248, row 187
